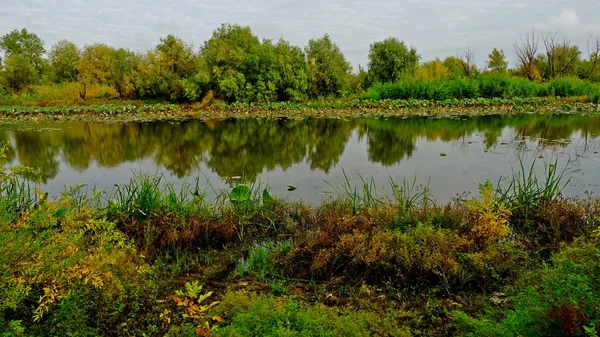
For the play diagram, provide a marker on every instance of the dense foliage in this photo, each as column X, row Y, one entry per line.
column 234, row 65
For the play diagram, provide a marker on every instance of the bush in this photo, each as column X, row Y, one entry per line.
column 561, row 299
column 59, row 264
column 567, row 87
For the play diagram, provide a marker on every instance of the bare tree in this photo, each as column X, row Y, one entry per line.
column 467, row 61
column 593, row 49
column 566, row 57
column 551, row 43
column 526, row 50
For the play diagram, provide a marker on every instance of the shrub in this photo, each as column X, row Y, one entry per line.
column 560, row 299
column 59, row 264
column 567, row 87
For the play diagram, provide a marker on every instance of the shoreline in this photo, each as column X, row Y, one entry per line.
column 139, row 111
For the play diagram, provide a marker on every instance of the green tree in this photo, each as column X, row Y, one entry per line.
column 22, row 42
column 390, row 59
column 497, row 61
column 231, row 56
column 293, row 72
column 327, row 66
column 19, row 72
column 63, row 58
column 359, row 81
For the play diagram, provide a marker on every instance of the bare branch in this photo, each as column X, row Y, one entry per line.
column 526, row 50
column 550, row 43
column 593, row 49
column 467, row 61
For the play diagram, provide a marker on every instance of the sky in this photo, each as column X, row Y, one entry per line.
column 434, row 28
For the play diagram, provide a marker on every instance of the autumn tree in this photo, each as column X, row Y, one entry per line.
column 94, row 66
column 63, row 59
column 328, row 68
column 391, row 59
column 163, row 71
column 454, row 67
column 432, row 71
column 526, row 51
column 497, row 61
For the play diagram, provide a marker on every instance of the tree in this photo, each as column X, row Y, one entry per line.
column 390, row 59
column 432, row 71
column 95, row 66
column 328, row 68
column 174, row 62
column 454, row 66
column 359, row 81
column 19, row 72
column 291, row 65
column 21, row 42
column 561, row 57
column 122, row 70
column 63, row 58
column 466, row 60
column 526, row 51
column 497, row 61
column 231, row 56
column 590, row 67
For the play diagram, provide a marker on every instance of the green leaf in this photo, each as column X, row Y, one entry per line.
column 267, row 197
column 59, row 213
column 239, row 194
column 292, row 188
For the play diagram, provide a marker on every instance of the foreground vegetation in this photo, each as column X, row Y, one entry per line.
column 150, row 260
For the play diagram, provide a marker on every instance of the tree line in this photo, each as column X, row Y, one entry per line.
column 234, row 65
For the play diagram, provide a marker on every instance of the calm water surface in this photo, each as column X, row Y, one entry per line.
column 311, row 153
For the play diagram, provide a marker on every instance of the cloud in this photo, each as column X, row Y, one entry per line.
column 436, row 28
column 569, row 23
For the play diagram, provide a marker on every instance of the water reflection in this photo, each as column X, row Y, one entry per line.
column 251, row 147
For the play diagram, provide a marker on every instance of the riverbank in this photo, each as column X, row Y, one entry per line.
column 157, row 260
column 137, row 111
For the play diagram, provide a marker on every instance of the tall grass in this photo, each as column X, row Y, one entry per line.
column 526, row 188
column 366, row 194
column 59, row 94
column 146, row 193
column 485, row 86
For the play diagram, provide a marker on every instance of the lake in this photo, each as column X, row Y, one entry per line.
column 451, row 155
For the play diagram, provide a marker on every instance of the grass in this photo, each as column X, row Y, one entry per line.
column 526, row 188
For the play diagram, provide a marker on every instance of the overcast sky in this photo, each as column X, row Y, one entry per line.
column 435, row 28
